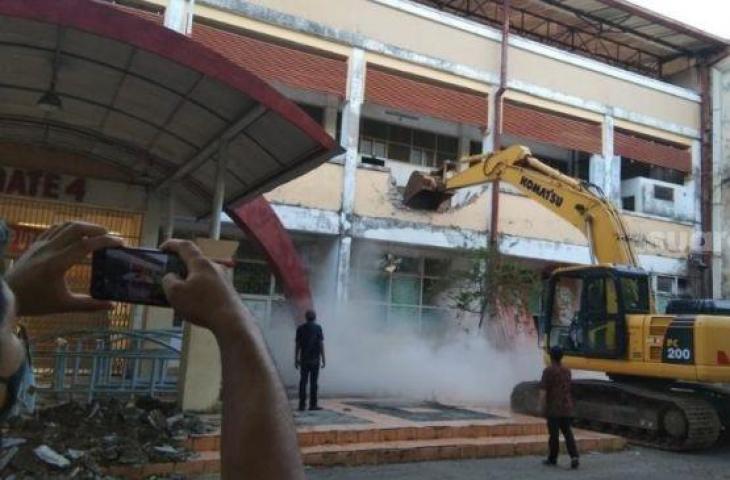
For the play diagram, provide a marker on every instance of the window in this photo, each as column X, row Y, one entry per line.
column 633, row 168
column 475, row 148
column 634, row 291
column 565, row 310
column 665, row 284
column 629, row 203
column 407, row 298
column 252, row 277
column 663, row 193
column 380, row 140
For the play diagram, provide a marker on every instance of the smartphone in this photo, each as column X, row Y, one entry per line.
column 133, row 275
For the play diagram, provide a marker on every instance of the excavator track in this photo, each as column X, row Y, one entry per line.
column 659, row 417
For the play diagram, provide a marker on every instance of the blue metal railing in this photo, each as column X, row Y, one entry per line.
column 107, row 362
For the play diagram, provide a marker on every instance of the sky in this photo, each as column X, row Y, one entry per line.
column 710, row 15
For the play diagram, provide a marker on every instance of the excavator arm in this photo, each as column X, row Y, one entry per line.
column 580, row 203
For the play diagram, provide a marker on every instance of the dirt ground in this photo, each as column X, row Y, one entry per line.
column 637, row 463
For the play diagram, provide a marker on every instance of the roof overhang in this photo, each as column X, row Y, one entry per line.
column 156, row 105
column 616, row 32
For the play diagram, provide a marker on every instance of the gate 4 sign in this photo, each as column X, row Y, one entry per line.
column 41, row 184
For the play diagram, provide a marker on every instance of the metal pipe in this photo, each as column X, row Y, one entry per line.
column 498, row 100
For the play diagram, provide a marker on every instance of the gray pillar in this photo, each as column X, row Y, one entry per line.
column 349, row 138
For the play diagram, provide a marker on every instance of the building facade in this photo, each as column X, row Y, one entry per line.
column 405, row 86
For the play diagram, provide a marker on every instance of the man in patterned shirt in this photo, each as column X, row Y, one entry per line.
column 556, row 397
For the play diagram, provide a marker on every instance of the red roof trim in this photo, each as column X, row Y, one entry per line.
column 110, row 22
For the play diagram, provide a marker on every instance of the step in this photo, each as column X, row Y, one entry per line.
column 347, row 436
column 392, row 452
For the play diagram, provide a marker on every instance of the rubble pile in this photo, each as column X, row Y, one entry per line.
column 75, row 440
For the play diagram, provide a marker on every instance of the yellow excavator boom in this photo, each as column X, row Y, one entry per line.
column 580, row 203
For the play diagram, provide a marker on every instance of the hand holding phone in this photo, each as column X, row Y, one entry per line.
column 133, row 275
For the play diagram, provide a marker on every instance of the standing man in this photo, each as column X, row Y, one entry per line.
column 308, row 350
column 557, row 400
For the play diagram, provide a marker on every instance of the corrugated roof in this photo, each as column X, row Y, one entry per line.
column 613, row 31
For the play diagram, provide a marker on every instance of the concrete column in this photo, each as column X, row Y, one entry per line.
column 200, row 369
column 349, row 138
column 179, row 16
column 488, row 138
column 218, row 196
column 464, row 143
column 330, row 115
column 605, row 170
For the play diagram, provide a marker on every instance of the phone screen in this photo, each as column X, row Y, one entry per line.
column 133, row 275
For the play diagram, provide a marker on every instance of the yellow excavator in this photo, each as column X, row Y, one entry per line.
column 665, row 371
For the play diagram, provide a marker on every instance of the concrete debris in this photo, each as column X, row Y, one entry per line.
column 51, row 457
column 9, row 442
column 74, row 454
column 6, row 456
column 73, row 440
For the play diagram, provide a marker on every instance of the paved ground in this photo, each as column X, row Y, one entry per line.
column 635, row 463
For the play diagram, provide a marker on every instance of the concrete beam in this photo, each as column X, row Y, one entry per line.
column 416, row 234
column 542, row 49
column 357, row 40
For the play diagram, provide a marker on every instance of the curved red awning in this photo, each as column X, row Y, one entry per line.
column 153, row 103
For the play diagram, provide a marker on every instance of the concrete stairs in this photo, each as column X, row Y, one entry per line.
column 367, row 445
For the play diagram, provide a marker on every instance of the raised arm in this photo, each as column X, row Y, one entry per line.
column 258, row 435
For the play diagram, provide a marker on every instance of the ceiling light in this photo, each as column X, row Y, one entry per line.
column 50, row 102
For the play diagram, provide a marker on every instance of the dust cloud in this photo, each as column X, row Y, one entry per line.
column 364, row 358
column 362, row 361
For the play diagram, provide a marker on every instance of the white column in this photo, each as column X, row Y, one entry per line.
column 218, row 196
column 604, row 170
column 330, row 115
column 179, row 16
column 349, row 138
column 488, row 138
column 464, row 142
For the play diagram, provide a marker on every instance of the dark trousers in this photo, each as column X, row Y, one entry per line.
column 556, row 425
column 308, row 372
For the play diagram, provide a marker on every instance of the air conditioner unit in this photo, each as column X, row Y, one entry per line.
column 655, row 197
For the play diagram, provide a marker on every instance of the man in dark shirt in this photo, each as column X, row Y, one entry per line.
column 558, row 402
column 309, row 349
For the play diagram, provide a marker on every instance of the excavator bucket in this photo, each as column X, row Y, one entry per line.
column 426, row 192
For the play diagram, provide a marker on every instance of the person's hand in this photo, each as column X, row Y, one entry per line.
column 324, row 363
column 296, row 364
column 38, row 277
column 206, row 296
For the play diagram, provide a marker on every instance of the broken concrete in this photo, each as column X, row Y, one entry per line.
column 74, row 440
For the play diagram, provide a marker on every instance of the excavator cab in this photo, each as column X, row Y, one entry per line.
column 586, row 307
